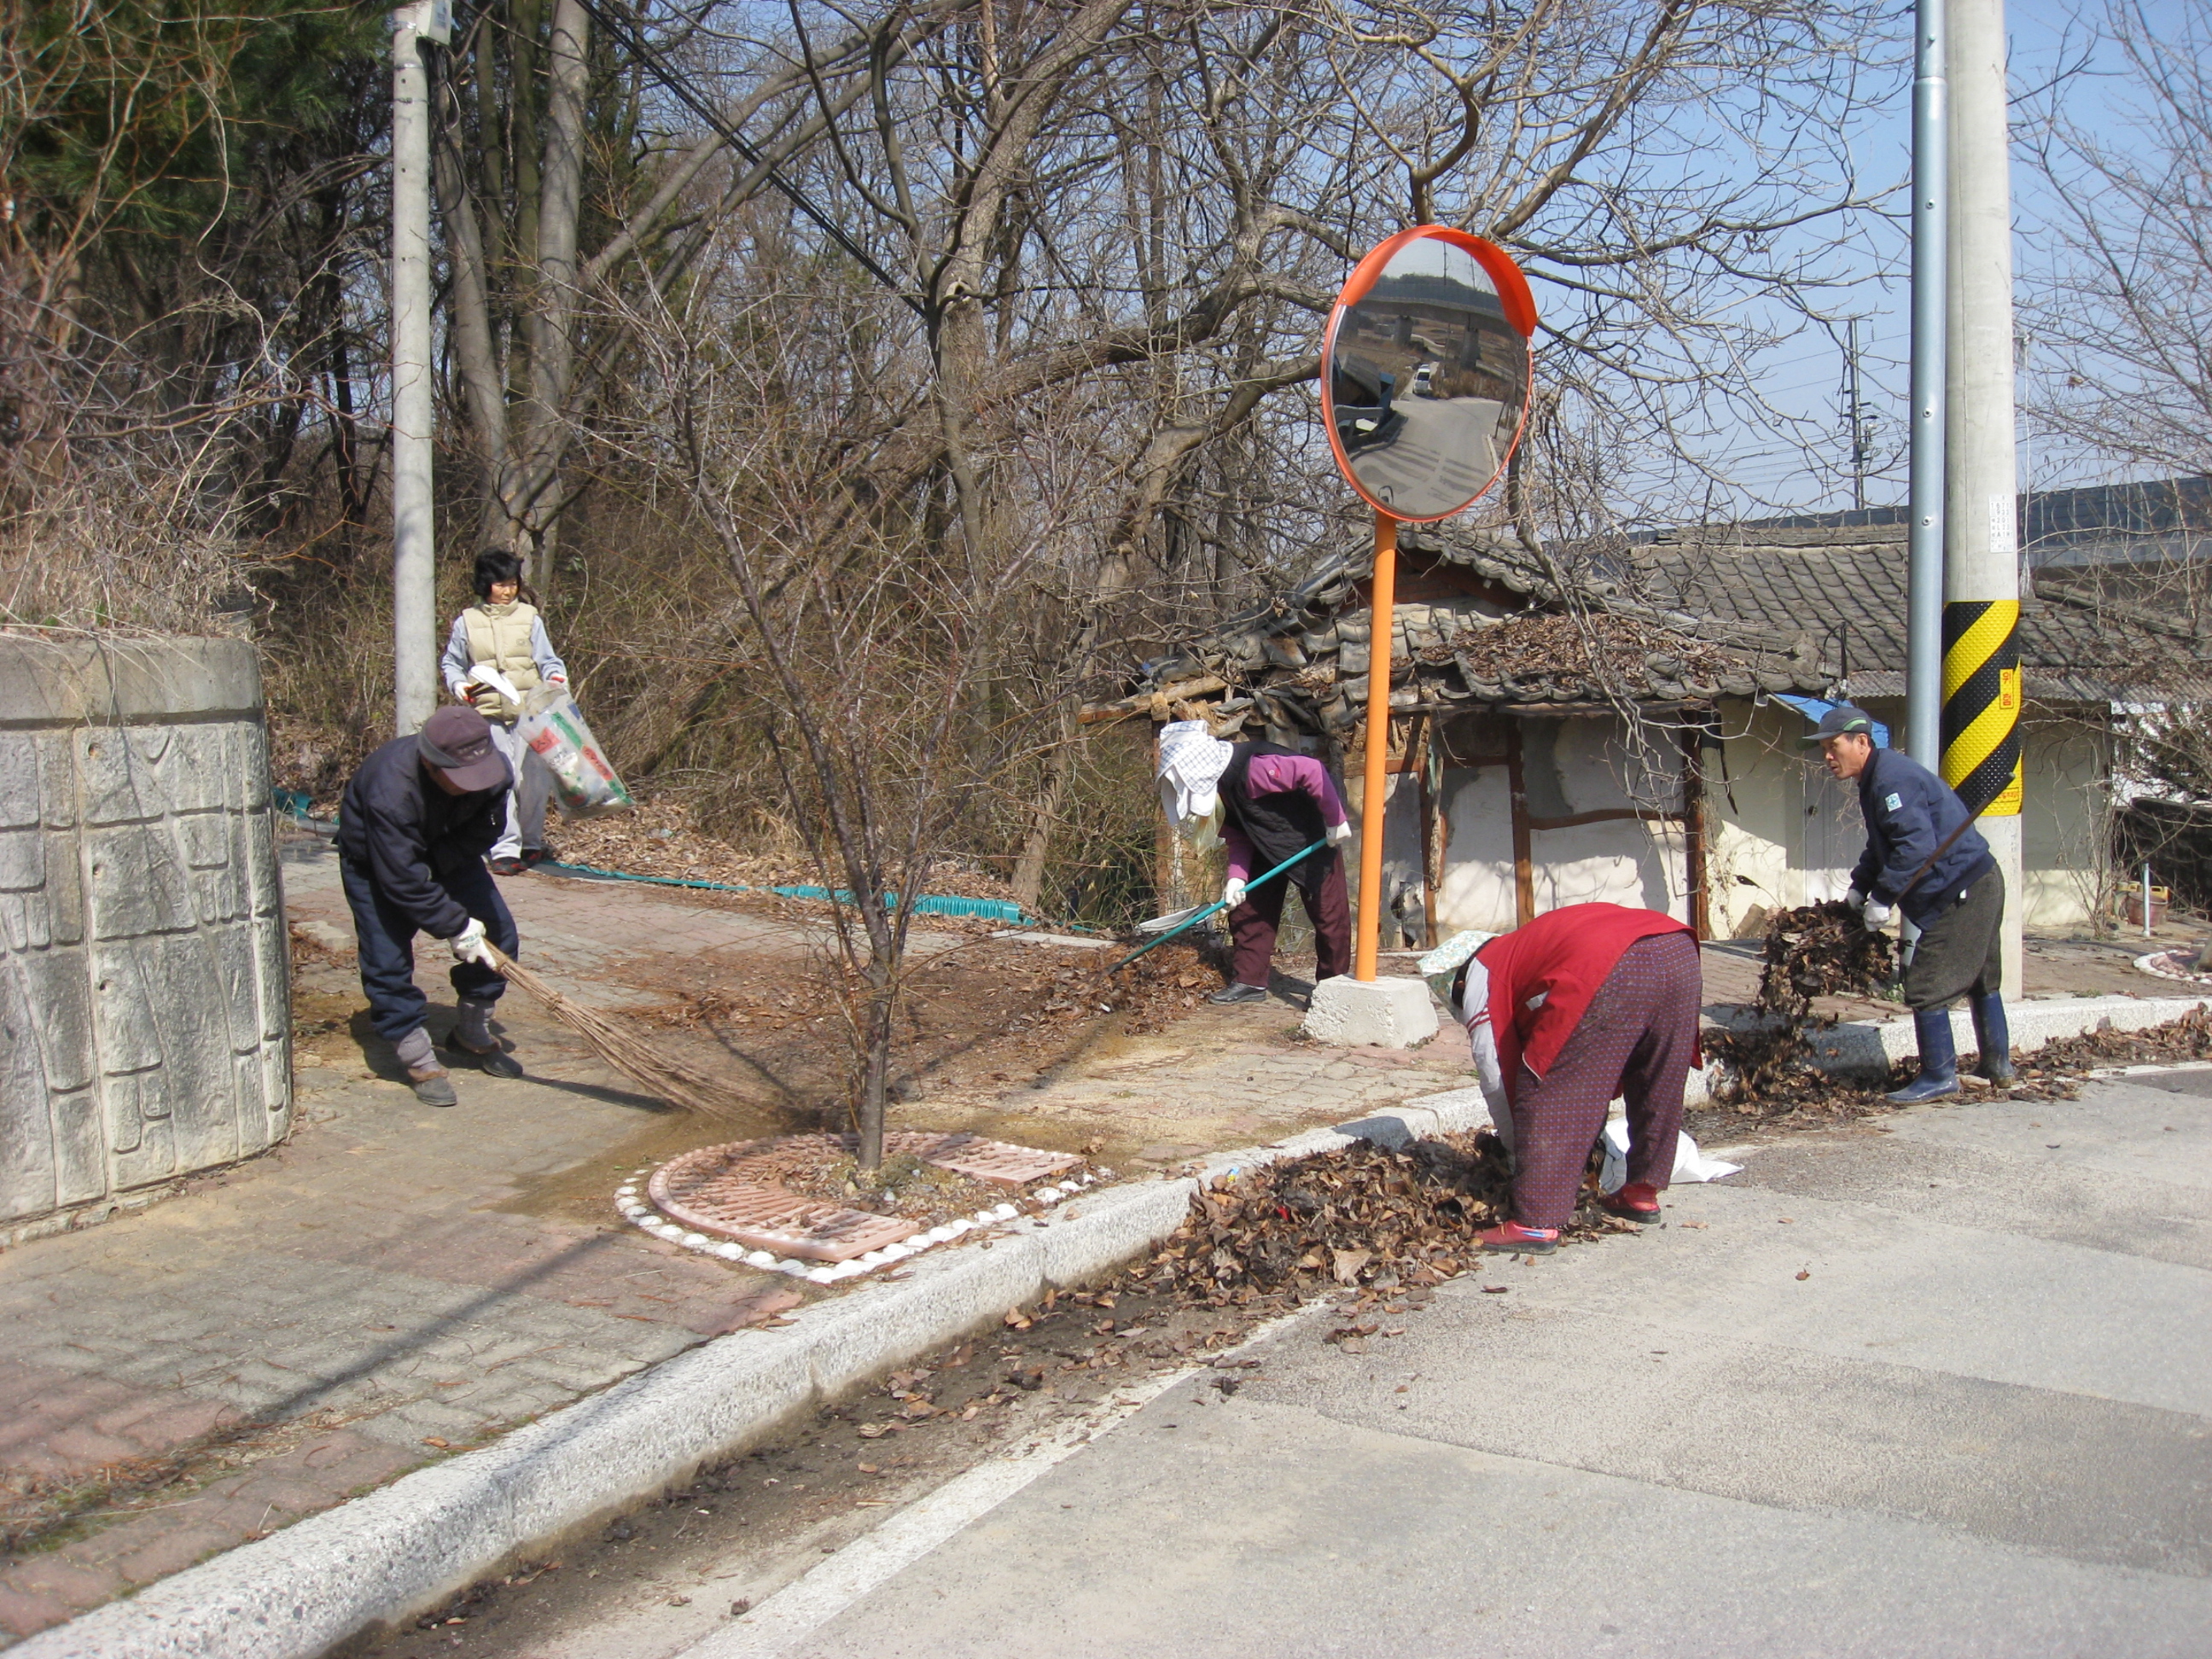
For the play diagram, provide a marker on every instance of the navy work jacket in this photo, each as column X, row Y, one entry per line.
column 1910, row 812
column 405, row 832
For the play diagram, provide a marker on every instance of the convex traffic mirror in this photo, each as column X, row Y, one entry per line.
column 1425, row 371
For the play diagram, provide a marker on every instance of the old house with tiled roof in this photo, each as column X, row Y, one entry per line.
column 1621, row 722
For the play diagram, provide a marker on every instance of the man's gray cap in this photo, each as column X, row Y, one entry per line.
column 1840, row 719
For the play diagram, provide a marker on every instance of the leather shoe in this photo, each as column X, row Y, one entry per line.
column 1235, row 991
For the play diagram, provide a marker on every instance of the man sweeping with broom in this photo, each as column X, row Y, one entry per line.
column 416, row 824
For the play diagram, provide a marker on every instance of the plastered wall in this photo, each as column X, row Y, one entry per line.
column 145, row 1003
column 1784, row 833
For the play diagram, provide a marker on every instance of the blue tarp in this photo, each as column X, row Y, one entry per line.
column 1811, row 708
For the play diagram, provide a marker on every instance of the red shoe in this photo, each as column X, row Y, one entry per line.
column 508, row 867
column 1638, row 1202
column 1516, row 1240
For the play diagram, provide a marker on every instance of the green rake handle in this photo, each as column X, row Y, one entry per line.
column 1217, row 904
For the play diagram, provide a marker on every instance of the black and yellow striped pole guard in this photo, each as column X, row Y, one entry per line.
column 1981, row 704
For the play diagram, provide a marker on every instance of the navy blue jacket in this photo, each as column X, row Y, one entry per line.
column 1910, row 812
column 405, row 832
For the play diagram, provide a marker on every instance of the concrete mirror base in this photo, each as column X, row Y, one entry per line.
column 1390, row 1013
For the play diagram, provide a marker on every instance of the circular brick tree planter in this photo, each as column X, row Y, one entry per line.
column 730, row 1201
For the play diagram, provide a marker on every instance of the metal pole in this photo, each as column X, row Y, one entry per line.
column 1923, row 677
column 1981, row 585
column 1367, row 933
column 1855, row 417
column 414, row 570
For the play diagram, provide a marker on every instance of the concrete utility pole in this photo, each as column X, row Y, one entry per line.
column 414, row 561
column 1981, row 588
column 1923, row 675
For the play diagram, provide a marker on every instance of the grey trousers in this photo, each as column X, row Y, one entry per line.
column 1961, row 950
column 525, row 802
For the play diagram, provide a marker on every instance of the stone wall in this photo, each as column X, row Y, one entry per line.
column 145, row 991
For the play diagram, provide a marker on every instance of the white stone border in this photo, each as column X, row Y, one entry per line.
column 2146, row 964
column 641, row 1213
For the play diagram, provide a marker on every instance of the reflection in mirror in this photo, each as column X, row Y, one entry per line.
column 1427, row 382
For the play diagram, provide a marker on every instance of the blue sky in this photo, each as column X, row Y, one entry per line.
column 1804, row 376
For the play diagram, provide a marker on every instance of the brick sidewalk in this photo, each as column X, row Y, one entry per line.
column 396, row 1282
column 392, row 1282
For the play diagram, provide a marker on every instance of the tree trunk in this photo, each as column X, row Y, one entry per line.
column 1044, row 811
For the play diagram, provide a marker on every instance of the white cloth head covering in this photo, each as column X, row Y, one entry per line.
column 1192, row 761
column 1441, row 966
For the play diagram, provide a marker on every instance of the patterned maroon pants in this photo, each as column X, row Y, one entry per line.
column 1253, row 925
column 1635, row 1039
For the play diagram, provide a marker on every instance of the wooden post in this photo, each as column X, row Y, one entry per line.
column 1367, row 933
column 1432, row 857
column 1524, row 863
column 1694, row 832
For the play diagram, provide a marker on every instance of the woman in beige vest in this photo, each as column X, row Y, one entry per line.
column 503, row 632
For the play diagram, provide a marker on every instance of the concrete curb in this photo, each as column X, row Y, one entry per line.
column 406, row 1547
column 1866, row 1048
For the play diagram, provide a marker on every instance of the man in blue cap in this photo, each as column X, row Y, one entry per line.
column 1925, row 857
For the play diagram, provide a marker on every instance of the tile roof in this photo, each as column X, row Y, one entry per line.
column 1682, row 620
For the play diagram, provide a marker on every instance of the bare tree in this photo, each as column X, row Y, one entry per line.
column 2118, row 294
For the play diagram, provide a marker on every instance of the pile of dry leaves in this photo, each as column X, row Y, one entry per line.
column 1814, row 951
column 1367, row 1216
column 1601, row 649
column 661, row 839
column 1162, row 986
column 2189, row 1038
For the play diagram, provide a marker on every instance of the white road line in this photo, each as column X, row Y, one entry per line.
column 806, row 1603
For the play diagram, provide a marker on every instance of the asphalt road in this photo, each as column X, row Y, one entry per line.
column 1942, row 1388
column 1941, row 1385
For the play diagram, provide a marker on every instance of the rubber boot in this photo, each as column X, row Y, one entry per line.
column 472, row 1032
column 1512, row 1239
column 1993, row 1037
column 1939, row 1059
column 1638, row 1201
column 433, row 1087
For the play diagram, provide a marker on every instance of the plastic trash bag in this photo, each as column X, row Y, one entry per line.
column 584, row 781
column 1690, row 1164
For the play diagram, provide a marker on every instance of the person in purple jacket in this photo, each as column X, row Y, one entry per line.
column 1274, row 802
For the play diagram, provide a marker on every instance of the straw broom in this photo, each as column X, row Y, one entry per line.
column 619, row 1043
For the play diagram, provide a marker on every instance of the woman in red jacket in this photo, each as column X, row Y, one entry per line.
column 1582, row 1005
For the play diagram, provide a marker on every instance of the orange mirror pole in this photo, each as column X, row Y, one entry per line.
column 1367, row 932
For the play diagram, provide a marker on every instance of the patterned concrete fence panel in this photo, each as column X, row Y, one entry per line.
column 145, row 993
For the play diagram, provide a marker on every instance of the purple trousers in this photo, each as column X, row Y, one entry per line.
column 1635, row 1040
column 1253, row 924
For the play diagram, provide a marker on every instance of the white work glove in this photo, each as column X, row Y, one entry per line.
column 1855, row 900
column 1339, row 833
column 1232, row 894
column 469, row 944
column 1876, row 914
